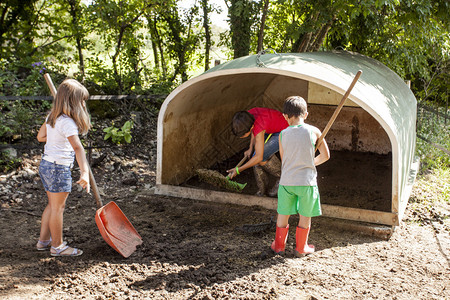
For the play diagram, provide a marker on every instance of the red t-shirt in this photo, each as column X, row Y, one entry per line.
column 267, row 119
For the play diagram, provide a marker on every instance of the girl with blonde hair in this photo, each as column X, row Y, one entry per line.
column 68, row 118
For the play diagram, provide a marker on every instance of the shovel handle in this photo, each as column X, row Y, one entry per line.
column 241, row 162
column 93, row 184
column 50, row 84
column 338, row 110
column 98, row 199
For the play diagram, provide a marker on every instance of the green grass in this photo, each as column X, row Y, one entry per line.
column 432, row 186
column 430, row 198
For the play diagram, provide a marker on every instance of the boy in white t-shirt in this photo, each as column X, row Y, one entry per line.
column 298, row 192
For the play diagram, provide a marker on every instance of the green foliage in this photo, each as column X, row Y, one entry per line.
column 17, row 78
column 410, row 37
column 162, row 87
column 148, row 46
column 432, row 186
column 19, row 120
column 119, row 135
column 7, row 162
column 242, row 15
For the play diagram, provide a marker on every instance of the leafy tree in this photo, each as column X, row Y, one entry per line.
column 38, row 40
column 182, row 39
column 118, row 24
column 156, row 33
column 111, row 40
column 16, row 16
column 242, row 14
column 262, row 25
column 411, row 37
column 78, row 24
column 301, row 26
column 206, row 25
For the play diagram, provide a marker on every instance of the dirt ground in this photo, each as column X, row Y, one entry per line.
column 196, row 250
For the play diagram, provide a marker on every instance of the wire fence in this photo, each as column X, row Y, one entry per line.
column 432, row 122
column 433, row 125
column 91, row 97
column 142, row 102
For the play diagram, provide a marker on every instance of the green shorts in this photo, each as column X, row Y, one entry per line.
column 303, row 200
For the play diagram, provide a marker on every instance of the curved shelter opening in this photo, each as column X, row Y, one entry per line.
column 372, row 167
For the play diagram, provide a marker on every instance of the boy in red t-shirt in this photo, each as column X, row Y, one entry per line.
column 263, row 125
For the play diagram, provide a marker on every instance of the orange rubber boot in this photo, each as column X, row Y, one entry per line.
column 280, row 240
column 301, row 237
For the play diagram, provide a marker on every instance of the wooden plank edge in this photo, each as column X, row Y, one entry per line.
column 360, row 215
column 340, row 212
column 215, row 196
column 380, row 231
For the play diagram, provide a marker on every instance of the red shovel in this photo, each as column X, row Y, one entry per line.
column 112, row 223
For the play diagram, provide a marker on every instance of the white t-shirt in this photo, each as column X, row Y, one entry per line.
column 297, row 168
column 58, row 148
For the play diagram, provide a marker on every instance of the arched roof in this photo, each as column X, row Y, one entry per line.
column 379, row 91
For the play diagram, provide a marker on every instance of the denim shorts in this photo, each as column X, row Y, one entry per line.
column 56, row 178
column 271, row 145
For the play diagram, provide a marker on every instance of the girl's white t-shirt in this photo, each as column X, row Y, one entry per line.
column 58, row 148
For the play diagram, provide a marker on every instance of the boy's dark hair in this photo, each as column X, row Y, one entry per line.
column 294, row 106
column 242, row 123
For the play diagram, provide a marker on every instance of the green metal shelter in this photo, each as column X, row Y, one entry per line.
column 379, row 117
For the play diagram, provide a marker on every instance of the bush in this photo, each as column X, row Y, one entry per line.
column 119, row 135
column 19, row 119
column 8, row 162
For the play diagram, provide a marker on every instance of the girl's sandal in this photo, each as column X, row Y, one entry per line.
column 61, row 250
column 43, row 245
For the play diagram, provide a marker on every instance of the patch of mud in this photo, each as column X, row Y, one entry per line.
column 350, row 179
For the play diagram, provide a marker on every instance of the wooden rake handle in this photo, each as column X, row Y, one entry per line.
column 92, row 181
column 338, row 110
column 241, row 162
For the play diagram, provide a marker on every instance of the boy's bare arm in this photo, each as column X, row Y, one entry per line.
column 280, row 147
column 256, row 159
column 249, row 152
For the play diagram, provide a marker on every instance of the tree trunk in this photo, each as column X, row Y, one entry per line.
column 163, row 60
column 207, row 33
column 124, row 27
column 240, row 13
column 154, row 38
column 74, row 10
column 117, row 76
column 80, row 58
column 322, row 34
column 179, row 47
column 304, row 42
column 261, row 28
column 160, row 47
